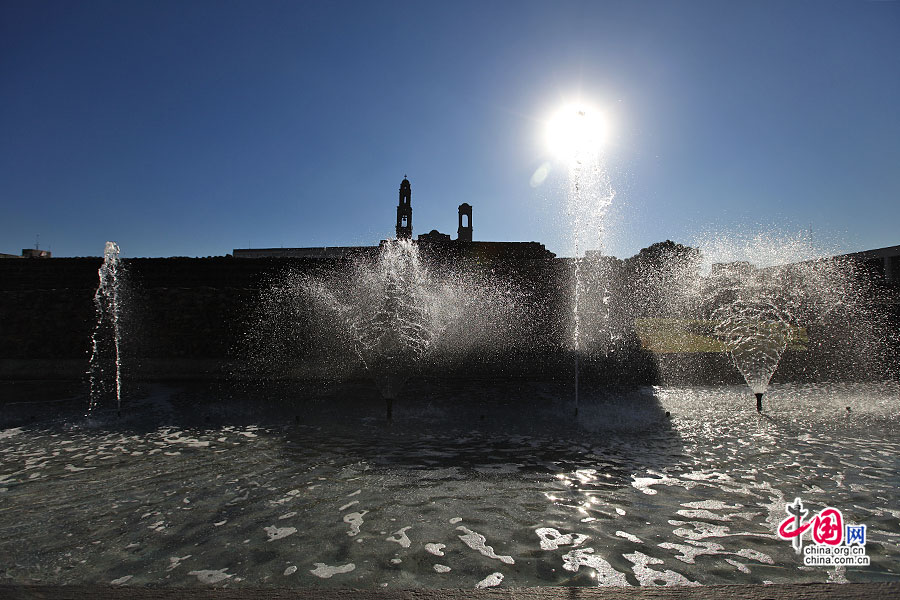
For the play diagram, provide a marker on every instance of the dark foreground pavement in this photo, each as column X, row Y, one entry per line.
column 799, row 591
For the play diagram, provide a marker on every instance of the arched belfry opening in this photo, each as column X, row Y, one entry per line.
column 404, row 211
column 464, row 233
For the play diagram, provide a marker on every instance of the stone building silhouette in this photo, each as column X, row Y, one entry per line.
column 464, row 233
column 434, row 243
column 404, row 211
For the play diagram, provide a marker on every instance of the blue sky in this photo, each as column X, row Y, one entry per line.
column 191, row 128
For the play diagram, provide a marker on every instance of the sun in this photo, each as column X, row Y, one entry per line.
column 576, row 133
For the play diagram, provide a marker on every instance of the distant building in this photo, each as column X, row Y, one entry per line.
column 28, row 253
column 327, row 252
column 35, row 253
column 433, row 243
column 404, row 211
column 883, row 263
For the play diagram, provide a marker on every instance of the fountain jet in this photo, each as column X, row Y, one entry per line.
column 106, row 338
column 392, row 312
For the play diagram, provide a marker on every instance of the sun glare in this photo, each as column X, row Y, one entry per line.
column 576, row 133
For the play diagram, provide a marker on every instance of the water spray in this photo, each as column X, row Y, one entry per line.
column 107, row 301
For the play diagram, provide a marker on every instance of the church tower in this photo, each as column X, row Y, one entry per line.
column 404, row 211
column 464, row 232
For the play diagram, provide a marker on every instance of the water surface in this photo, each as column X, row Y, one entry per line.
column 472, row 485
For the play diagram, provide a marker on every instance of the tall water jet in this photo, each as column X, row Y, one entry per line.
column 390, row 313
column 403, row 319
column 106, row 338
column 575, row 135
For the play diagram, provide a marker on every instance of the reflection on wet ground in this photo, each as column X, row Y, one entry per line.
column 491, row 485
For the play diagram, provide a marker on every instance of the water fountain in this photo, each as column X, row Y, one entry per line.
column 626, row 497
column 575, row 135
column 392, row 313
column 106, row 360
column 763, row 291
column 522, row 499
column 394, row 316
column 755, row 333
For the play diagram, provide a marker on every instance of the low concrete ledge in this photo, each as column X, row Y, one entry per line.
column 796, row 591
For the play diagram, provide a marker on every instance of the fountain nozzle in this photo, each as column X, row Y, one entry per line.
column 759, row 401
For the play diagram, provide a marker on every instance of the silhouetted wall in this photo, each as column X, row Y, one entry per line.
column 189, row 316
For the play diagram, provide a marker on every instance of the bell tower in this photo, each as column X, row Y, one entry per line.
column 404, row 211
column 464, row 233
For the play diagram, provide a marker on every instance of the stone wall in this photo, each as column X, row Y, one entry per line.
column 188, row 317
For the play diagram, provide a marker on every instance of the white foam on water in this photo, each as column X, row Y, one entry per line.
column 476, row 541
column 290, row 570
column 629, row 537
column 326, row 572
column 288, row 515
column 400, row 537
column 704, row 476
column 396, row 561
column 838, row 575
column 700, row 530
column 357, row 492
column 689, row 553
column 702, row 514
column 620, row 511
column 551, row 539
column 158, row 526
column 647, row 576
column 711, row 505
column 348, row 505
column 755, row 555
column 8, row 433
column 455, row 520
column 606, row 575
column 187, row 441
column 210, row 576
column 739, row 565
column 355, row 521
column 121, row 580
column 75, row 469
column 644, row 483
column 174, row 561
column 276, row 533
column 441, row 568
column 220, row 523
column 492, row 580
column 436, row 549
